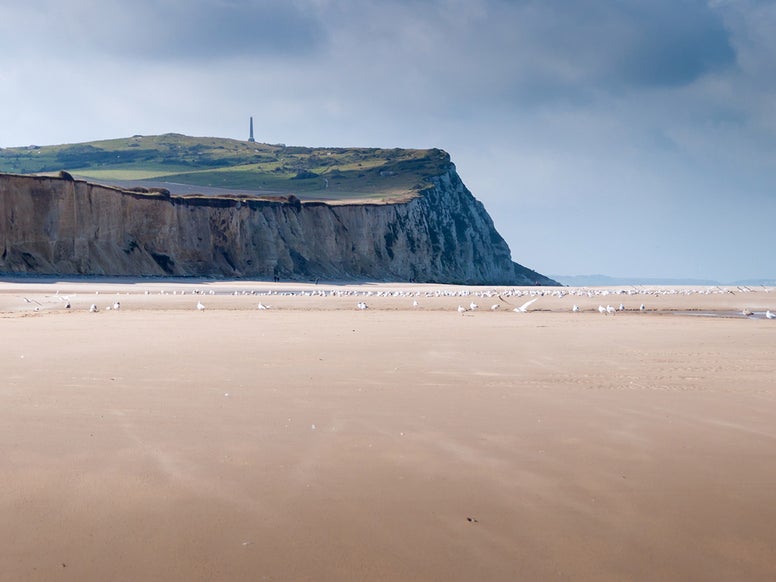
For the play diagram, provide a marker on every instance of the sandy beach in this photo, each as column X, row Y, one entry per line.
column 316, row 441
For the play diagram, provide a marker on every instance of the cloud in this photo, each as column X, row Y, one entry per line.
column 170, row 30
column 528, row 53
column 631, row 43
column 522, row 51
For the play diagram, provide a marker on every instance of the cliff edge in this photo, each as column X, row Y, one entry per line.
column 62, row 226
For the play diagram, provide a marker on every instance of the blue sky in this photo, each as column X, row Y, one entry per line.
column 624, row 137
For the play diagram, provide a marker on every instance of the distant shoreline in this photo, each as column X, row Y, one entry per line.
column 607, row 281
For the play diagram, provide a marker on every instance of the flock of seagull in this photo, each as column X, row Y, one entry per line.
column 530, row 297
column 496, row 306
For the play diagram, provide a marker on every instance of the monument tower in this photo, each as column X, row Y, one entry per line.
column 250, row 139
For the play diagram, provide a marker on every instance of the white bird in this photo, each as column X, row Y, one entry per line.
column 610, row 309
column 93, row 308
column 643, row 307
column 200, row 307
column 524, row 307
column 602, row 310
column 262, row 306
column 621, row 307
column 361, row 305
column 495, row 307
column 473, row 306
column 575, row 308
column 117, row 305
column 746, row 312
column 770, row 315
column 461, row 309
column 415, row 303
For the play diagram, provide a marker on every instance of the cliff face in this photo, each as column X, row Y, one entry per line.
column 62, row 226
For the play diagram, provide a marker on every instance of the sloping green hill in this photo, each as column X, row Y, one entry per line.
column 238, row 166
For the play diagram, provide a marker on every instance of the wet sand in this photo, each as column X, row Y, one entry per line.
column 315, row 441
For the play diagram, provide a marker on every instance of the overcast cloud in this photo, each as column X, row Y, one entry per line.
column 630, row 137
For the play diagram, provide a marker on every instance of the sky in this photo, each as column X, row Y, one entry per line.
column 632, row 138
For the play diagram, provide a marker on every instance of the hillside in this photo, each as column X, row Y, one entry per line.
column 225, row 209
column 213, row 166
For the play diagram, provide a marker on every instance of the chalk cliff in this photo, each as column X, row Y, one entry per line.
column 63, row 226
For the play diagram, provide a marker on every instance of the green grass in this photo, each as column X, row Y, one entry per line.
column 241, row 165
column 127, row 173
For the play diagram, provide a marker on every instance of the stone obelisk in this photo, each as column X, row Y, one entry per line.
column 250, row 139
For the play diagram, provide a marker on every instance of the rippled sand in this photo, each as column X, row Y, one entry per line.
column 315, row 441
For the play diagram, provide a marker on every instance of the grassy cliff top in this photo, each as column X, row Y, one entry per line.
column 211, row 165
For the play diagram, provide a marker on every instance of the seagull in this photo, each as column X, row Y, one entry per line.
column 575, row 308
column 200, row 307
column 621, row 307
column 643, row 307
column 524, row 307
column 262, row 306
column 770, row 315
column 361, row 305
column 602, row 310
column 473, row 306
column 415, row 303
column 117, row 305
column 610, row 309
column 93, row 308
column 746, row 312
column 461, row 309
column 495, row 307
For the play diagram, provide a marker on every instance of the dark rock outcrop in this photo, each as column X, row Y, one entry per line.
column 51, row 225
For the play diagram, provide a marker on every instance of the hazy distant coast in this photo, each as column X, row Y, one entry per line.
column 604, row 281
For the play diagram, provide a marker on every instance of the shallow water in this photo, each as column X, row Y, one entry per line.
column 731, row 314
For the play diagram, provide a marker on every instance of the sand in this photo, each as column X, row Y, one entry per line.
column 315, row 441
